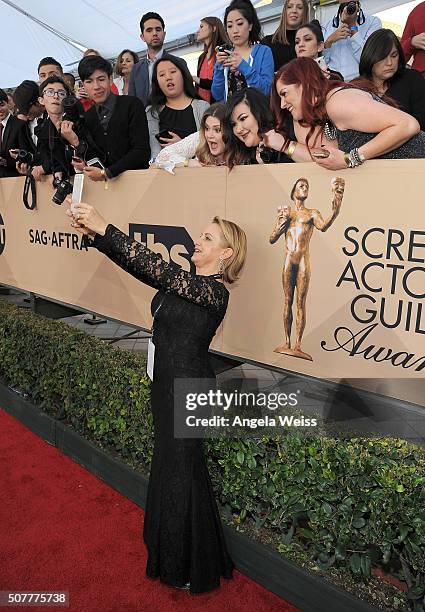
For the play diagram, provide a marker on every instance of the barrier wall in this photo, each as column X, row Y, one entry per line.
column 363, row 279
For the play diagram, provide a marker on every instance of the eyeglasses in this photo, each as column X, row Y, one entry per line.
column 50, row 93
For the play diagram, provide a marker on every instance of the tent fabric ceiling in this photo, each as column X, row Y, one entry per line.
column 106, row 25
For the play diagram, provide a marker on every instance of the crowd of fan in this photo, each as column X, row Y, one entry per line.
column 335, row 94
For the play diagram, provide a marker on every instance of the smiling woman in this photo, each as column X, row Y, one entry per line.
column 375, row 130
column 182, row 527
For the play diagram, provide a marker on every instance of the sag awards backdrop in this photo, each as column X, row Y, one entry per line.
column 335, row 280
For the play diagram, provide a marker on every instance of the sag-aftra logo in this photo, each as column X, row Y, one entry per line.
column 172, row 243
column 2, row 235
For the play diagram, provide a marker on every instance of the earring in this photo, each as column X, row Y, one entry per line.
column 220, row 266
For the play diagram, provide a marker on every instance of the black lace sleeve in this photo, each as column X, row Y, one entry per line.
column 149, row 267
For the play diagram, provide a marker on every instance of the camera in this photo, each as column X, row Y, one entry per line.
column 351, row 8
column 269, row 156
column 25, row 157
column 63, row 188
column 73, row 110
column 225, row 47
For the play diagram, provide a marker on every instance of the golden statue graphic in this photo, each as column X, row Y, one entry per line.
column 297, row 225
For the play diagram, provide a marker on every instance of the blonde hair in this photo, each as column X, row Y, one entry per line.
column 203, row 152
column 88, row 52
column 234, row 238
column 280, row 34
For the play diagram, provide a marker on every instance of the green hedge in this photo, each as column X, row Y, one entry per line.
column 353, row 503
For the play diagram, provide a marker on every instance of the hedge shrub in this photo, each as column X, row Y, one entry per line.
column 349, row 503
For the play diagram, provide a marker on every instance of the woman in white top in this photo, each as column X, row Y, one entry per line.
column 123, row 68
column 206, row 145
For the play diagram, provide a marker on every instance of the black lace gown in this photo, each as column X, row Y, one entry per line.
column 182, row 528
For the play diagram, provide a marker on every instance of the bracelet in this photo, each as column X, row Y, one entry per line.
column 105, row 178
column 354, row 158
column 347, row 160
column 291, row 149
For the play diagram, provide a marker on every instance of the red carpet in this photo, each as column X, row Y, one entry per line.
column 62, row 529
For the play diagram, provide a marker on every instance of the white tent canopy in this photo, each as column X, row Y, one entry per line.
column 32, row 29
column 106, row 25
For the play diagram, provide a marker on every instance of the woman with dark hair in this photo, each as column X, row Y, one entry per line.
column 212, row 34
column 383, row 68
column 374, row 130
column 123, row 68
column 282, row 43
column 247, row 118
column 182, row 527
column 246, row 63
column 175, row 109
column 206, row 145
column 309, row 43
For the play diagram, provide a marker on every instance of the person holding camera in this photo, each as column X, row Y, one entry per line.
column 345, row 36
column 10, row 128
column 244, row 63
column 55, row 138
column 29, row 110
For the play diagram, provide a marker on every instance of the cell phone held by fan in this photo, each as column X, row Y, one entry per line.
column 77, row 190
column 226, row 48
column 321, row 62
column 96, row 163
column 161, row 135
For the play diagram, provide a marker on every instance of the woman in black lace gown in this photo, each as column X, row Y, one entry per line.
column 182, row 527
column 364, row 126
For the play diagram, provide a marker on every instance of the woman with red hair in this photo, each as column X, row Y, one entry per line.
column 363, row 125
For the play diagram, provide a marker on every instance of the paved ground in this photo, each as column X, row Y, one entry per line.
column 346, row 409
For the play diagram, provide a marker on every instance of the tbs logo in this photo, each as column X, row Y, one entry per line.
column 172, row 243
column 2, row 236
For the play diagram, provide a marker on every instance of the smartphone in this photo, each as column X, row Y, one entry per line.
column 163, row 134
column 77, row 190
column 77, row 160
column 96, row 163
column 321, row 62
column 226, row 48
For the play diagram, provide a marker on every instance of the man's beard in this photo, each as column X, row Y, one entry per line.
column 156, row 46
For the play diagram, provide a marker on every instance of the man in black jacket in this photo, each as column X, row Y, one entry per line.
column 117, row 124
column 10, row 128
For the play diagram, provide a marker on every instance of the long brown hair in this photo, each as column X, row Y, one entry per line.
column 306, row 72
column 280, row 34
column 203, row 152
column 219, row 37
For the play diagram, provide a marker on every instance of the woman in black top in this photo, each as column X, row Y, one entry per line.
column 182, row 526
column 383, row 65
column 282, row 42
column 247, row 119
column 309, row 42
column 175, row 109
